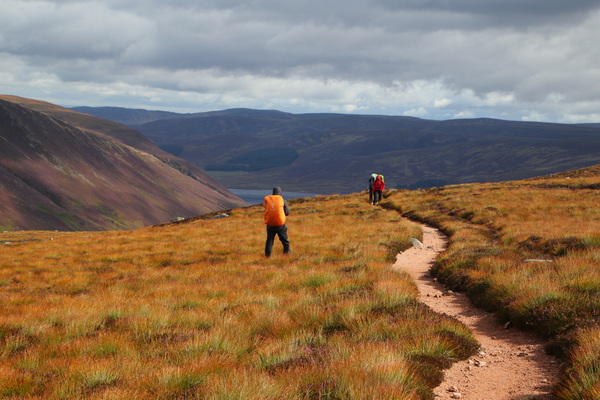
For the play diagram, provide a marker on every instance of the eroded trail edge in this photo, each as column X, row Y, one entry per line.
column 511, row 364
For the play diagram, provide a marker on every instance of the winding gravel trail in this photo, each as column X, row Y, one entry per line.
column 511, row 364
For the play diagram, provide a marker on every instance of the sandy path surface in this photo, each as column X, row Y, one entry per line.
column 511, row 364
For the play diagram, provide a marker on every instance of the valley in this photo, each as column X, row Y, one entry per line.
column 336, row 153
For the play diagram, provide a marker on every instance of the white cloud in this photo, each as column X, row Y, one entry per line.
column 464, row 115
column 416, row 112
column 441, row 103
column 494, row 99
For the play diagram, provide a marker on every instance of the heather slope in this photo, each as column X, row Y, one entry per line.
column 69, row 171
column 194, row 310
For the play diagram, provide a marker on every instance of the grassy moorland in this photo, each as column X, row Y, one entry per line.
column 195, row 310
column 529, row 250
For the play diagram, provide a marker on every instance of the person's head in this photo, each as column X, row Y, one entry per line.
column 277, row 190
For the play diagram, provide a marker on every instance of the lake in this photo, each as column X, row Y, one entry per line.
column 257, row 196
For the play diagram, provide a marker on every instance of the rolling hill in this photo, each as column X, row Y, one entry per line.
column 64, row 170
column 334, row 153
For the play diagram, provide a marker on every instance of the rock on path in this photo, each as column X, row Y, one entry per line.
column 511, row 365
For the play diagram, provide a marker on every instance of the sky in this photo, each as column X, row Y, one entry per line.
column 526, row 60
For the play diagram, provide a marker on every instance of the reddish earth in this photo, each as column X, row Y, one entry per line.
column 511, row 364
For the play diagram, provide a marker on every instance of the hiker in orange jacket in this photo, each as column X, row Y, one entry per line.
column 378, row 188
column 276, row 209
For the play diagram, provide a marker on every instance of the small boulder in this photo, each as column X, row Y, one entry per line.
column 416, row 243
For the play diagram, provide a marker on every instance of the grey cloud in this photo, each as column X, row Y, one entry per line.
column 468, row 50
column 500, row 10
column 69, row 30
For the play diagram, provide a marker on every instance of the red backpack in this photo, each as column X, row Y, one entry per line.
column 378, row 184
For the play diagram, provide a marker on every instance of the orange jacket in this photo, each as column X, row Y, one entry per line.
column 274, row 210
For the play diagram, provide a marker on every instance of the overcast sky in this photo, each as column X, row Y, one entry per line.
column 436, row 59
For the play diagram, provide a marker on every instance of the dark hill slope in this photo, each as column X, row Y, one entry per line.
column 68, row 171
column 336, row 153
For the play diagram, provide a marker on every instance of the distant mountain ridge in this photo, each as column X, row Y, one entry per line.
column 127, row 116
column 64, row 170
column 138, row 116
column 335, row 153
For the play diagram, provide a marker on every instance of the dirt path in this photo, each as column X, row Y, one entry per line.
column 511, row 364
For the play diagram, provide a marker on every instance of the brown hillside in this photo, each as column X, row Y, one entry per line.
column 63, row 170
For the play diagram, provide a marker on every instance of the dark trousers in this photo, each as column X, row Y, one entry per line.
column 376, row 196
column 281, row 232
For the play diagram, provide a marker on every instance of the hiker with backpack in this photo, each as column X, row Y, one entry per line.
column 276, row 209
column 370, row 188
column 378, row 188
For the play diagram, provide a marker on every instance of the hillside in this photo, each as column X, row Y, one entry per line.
column 193, row 309
column 64, row 170
column 334, row 153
